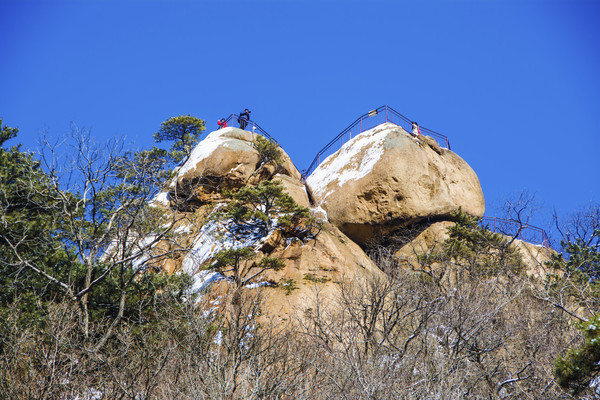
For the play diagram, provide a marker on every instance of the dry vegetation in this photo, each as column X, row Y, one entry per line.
column 406, row 335
column 459, row 321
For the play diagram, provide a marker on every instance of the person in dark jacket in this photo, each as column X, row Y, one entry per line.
column 243, row 119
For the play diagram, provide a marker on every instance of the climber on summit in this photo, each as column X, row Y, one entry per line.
column 416, row 131
column 243, row 119
column 222, row 123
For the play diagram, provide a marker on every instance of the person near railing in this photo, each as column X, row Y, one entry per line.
column 416, row 131
column 222, row 123
column 243, row 118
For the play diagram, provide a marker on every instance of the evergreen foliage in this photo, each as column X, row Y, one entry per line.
column 478, row 249
column 184, row 131
column 581, row 365
column 582, row 255
column 268, row 150
column 260, row 207
column 253, row 212
column 90, row 243
column 236, row 264
column 29, row 231
column 580, row 264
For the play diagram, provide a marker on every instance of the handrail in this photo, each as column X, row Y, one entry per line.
column 233, row 119
column 368, row 121
column 526, row 232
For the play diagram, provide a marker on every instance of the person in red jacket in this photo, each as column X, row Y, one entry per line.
column 222, row 123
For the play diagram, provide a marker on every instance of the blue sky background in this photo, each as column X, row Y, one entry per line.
column 515, row 85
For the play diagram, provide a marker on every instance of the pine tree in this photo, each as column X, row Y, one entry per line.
column 184, row 131
column 581, row 267
column 93, row 243
column 258, row 208
column 29, row 223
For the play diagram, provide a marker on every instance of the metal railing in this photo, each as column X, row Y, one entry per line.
column 234, row 121
column 527, row 233
column 368, row 121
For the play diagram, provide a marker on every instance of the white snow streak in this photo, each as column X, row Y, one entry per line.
column 212, row 238
column 354, row 160
column 204, row 149
column 161, row 198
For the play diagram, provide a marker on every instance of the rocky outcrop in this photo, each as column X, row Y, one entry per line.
column 384, row 179
column 430, row 240
column 315, row 266
column 225, row 159
column 295, row 188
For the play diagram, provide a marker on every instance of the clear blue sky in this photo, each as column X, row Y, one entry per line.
column 514, row 84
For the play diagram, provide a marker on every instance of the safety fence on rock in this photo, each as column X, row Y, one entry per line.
column 368, row 121
column 235, row 121
column 525, row 232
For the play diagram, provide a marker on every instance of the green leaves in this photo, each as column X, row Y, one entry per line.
column 261, row 206
column 255, row 208
column 30, row 220
column 184, row 131
column 583, row 255
column 238, row 266
column 7, row 133
column 581, row 266
column 231, row 258
column 576, row 370
column 478, row 249
column 268, row 150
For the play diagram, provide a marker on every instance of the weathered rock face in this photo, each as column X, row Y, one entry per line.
column 384, row 179
column 315, row 266
column 225, row 159
column 430, row 240
column 535, row 258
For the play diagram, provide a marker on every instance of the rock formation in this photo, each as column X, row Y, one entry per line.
column 430, row 240
column 225, row 159
column 384, row 179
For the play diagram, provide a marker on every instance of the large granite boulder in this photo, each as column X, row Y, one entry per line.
column 385, row 178
column 430, row 241
column 315, row 268
column 225, row 159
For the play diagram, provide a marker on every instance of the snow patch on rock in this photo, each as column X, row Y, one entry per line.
column 354, row 160
column 212, row 238
column 204, row 149
column 161, row 198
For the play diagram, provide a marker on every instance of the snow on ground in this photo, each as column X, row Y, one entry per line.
column 204, row 149
column 257, row 285
column 183, row 229
column 319, row 213
column 143, row 254
column 212, row 238
column 161, row 198
column 207, row 244
column 355, row 159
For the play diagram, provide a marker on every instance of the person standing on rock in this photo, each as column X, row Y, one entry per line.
column 416, row 131
column 222, row 123
column 243, row 119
